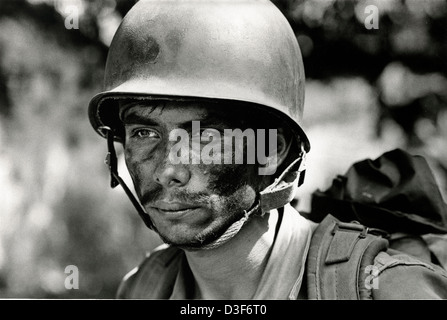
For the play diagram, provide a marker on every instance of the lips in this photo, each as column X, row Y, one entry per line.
column 172, row 206
column 173, row 209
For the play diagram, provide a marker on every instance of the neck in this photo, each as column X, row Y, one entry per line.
column 234, row 269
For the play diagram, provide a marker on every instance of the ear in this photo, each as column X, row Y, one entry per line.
column 281, row 146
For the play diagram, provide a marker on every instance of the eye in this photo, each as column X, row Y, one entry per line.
column 142, row 133
column 210, row 133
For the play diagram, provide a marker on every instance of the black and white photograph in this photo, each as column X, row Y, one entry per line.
column 238, row 151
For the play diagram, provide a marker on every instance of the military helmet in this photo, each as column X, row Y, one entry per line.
column 239, row 50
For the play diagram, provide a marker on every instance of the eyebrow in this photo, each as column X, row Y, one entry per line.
column 213, row 120
column 135, row 118
column 209, row 120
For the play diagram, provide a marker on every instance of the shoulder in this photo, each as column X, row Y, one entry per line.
column 150, row 278
column 401, row 276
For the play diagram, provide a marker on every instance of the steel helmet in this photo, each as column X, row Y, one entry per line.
column 204, row 49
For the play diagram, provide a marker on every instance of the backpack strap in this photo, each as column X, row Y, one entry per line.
column 338, row 260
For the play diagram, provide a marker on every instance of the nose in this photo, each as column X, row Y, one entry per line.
column 172, row 175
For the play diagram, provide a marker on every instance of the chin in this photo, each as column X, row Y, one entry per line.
column 195, row 240
column 189, row 242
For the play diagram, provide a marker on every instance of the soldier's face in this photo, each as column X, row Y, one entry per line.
column 189, row 203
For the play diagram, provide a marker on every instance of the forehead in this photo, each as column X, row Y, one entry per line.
column 169, row 111
column 172, row 111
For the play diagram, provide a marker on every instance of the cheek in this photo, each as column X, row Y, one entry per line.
column 239, row 200
column 224, row 180
column 139, row 168
column 131, row 159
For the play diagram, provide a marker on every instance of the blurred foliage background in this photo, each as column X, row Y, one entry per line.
column 368, row 91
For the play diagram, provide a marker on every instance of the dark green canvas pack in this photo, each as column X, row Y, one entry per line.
column 382, row 233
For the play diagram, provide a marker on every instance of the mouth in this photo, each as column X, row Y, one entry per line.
column 173, row 210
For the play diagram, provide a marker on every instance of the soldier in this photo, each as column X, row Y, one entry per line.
column 197, row 70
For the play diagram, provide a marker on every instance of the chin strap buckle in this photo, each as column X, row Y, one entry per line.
column 111, row 159
column 283, row 189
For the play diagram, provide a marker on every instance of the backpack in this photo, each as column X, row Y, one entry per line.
column 382, row 224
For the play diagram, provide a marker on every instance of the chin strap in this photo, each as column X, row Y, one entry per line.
column 112, row 162
column 283, row 189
